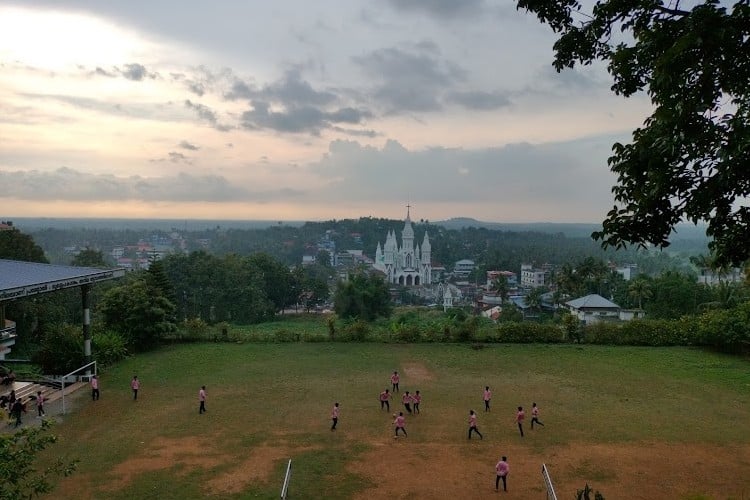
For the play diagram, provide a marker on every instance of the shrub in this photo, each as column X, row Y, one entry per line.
column 286, row 336
column 357, row 330
column 528, row 332
column 108, row 347
column 61, row 350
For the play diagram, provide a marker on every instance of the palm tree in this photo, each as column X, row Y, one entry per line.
column 501, row 287
column 534, row 299
column 640, row 290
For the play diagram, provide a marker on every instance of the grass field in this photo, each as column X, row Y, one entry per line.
column 632, row 422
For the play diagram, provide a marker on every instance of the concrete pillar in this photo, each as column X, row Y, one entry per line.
column 85, row 300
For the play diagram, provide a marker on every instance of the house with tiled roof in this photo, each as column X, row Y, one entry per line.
column 593, row 308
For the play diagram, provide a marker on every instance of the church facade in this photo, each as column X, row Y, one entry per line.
column 408, row 264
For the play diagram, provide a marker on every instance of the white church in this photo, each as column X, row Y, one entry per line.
column 409, row 264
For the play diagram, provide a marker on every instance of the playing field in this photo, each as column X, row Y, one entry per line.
column 635, row 423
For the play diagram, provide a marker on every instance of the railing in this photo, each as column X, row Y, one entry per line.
column 8, row 332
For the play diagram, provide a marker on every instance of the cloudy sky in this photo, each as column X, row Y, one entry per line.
column 299, row 110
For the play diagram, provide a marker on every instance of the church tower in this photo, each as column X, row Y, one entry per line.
column 408, row 264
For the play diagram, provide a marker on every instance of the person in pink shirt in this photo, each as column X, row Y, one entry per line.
column 400, row 422
column 202, row 400
column 407, row 399
column 487, row 397
column 40, row 404
column 394, row 382
column 417, row 398
column 473, row 424
column 385, row 400
column 94, row 388
column 535, row 415
column 502, row 469
column 520, row 415
column 335, row 416
column 135, row 384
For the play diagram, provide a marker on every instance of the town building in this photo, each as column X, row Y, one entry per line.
column 533, row 278
column 408, row 264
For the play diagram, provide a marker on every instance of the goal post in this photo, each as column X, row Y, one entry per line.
column 77, row 372
column 548, row 484
column 287, row 478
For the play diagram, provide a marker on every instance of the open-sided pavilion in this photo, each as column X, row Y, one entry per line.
column 20, row 280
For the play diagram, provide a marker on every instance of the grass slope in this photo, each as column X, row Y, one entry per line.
column 269, row 402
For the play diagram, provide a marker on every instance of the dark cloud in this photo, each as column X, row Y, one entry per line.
column 520, row 176
column 187, row 145
column 356, row 132
column 292, row 89
column 142, row 110
column 176, row 157
column 103, row 72
column 239, row 90
column 409, row 80
column 66, row 184
column 443, row 9
column 136, row 72
column 298, row 119
column 207, row 114
column 478, row 100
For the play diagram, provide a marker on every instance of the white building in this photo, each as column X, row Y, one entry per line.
column 463, row 267
column 532, row 278
column 409, row 264
column 593, row 309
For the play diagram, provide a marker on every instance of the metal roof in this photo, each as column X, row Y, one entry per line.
column 593, row 301
column 22, row 279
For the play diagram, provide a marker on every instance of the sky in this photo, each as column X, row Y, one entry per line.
column 300, row 110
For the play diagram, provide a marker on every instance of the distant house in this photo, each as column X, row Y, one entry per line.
column 510, row 277
column 593, row 308
column 533, row 278
column 463, row 267
column 627, row 271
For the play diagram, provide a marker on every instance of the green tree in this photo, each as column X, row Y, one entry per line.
column 89, row 257
column 500, row 285
column 689, row 160
column 19, row 477
column 363, row 296
column 534, row 299
column 139, row 311
column 15, row 245
column 640, row 290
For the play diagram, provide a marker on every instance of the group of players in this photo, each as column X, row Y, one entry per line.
column 411, row 405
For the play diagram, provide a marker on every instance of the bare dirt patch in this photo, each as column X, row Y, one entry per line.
column 257, row 467
column 404, row 469
column 164, row 453
column 417, row 372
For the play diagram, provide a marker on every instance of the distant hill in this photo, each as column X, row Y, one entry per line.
column 685, row 231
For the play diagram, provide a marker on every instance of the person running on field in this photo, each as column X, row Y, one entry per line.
column 520, row 415
column 394, row 382
column 385, row 398
column 535, row 415
column 473, row 424
column 202, row 400
column 400, row 423
column 417, row 398
column 502, row 469
column 407, row 399
column 487, row 397
column 334, row 416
